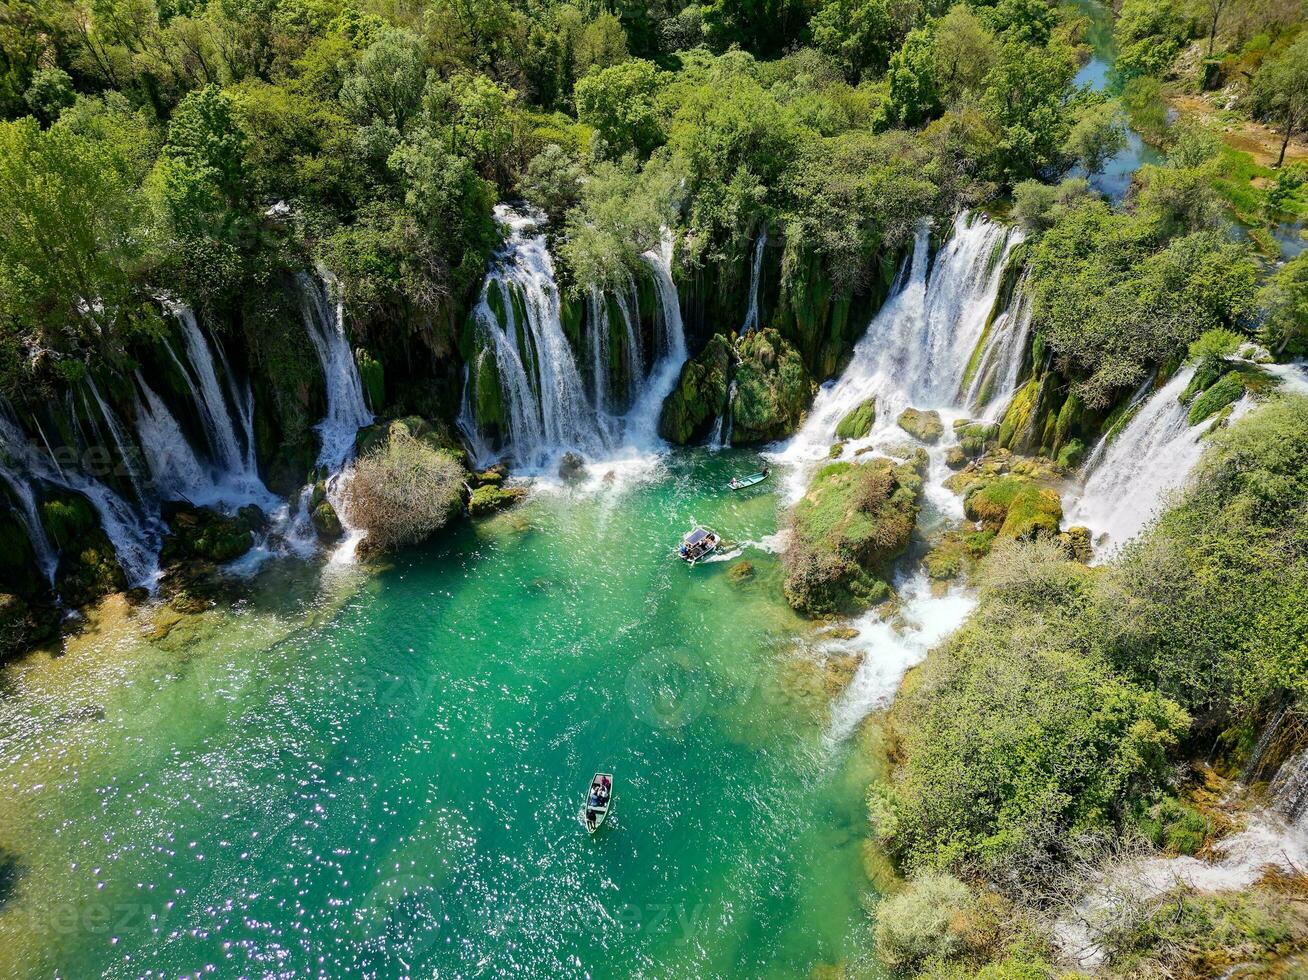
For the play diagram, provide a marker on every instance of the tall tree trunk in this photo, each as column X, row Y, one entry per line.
column 1289, row 128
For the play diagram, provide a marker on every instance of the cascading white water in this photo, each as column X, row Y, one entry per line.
column 1289, row 790
column 720, row 437
column 1128, row 479
column 201, row 378
column 916, row 350
column 174, row 468
column 598, row 309
column 643, row 419
column 1000, row 361
column 46, row 559
column 546, row 404
column 135, row 536
column 547, row 408
column 914, row 354
column 126, row 452
column 347, row 409
column 751, row 314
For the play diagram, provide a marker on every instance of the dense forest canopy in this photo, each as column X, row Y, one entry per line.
column 199, row 148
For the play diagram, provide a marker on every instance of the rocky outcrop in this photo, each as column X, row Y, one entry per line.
column 199, row 533
column 490, row 498
column 858, row 423
column 853, row 521
column 922, row 426
column 773, row 389
column 700, row 395
column 88, row 568
column 1015, row 507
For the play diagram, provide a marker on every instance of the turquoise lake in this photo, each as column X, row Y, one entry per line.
column 379, row 773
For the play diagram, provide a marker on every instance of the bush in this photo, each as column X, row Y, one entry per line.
column 922, row 921
column 402, row 491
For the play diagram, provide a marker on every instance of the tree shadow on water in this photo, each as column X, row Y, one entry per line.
column 9, row 875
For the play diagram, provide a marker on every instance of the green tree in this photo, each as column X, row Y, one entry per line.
column 553, row 180
column 1025, row 96
column 74, row 236
column 859, row 34
column 914, row 94
column 50, row 93
column 386, row 88
column 1280, row 91
column 621, row 102
column 1284, row 301
column 1098, row 135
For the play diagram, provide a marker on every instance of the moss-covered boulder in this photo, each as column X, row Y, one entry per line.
column 858, row 423
column 88, row 567
column 1015, row 507
column 773, row 389
column 1226, row 390
column 974, row 438
column 741, row 573
column 205, row 534
column 922, row 426
column 1078, row 543
column 490, row 498
column 326, row 522
column 851, row 524
column 700, row 395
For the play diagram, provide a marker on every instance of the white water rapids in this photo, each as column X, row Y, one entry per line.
column 548, row 407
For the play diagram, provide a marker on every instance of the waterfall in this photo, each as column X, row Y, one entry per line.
column 235, row 480
column 751, row 314
column 1128, row 479
column 46, row 559
column 347, row 410
column 670, row 355
column 599, row 346
column 1289, row 790
column 1000, row 359
column 174, row 468
column 629, row 309
column 207, row 393
column 126, row 451
column 916, row 351
column 720, row 437
column 135, row 536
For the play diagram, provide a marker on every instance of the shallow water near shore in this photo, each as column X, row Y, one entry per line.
column 379, row 774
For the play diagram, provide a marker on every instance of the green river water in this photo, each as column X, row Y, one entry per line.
column 379, row 773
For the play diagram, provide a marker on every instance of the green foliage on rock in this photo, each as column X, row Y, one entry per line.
column 1228, row 389
column 1018, row 737
column 858, row 422
column 490, row 498
column 773, row 388
column 1015, row 507
column 852, row 521
column 922, row 426
column 700, row 395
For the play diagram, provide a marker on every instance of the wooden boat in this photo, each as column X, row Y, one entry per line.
column 698, row 544
column 741, row 482
column 599, row 800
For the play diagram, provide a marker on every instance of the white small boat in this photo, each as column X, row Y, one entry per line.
column 698, row 544
column 599, row 799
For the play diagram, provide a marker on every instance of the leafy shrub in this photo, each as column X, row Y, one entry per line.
column 402, row 491
column 921, row 921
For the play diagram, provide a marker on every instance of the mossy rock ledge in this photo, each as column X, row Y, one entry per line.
column 773, row 389
column 858, row 423
column 1015, row 507
column 700, row 395
column 922, row 426
column 854, row 520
